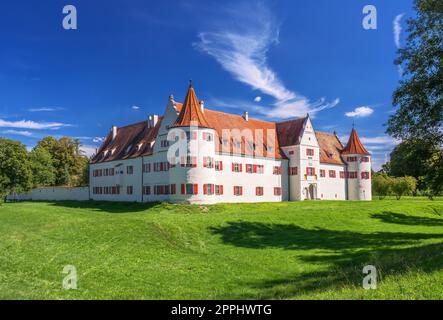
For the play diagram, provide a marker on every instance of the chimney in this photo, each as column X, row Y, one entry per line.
column 246, row 115
column 171, row 98
column 114, row 132
column 202, row 106
column 152, row 120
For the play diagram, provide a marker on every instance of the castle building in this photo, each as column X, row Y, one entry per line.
column 192, row 154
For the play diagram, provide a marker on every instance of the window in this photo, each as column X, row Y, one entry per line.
column 254, row 168
column 322, row 173
column 190, row 162
column 238, row 191
column 291, row 152
column 218, row 190
column 236, row 167
column 365, row 175
column 331, row 173
column 218, row 165
column 364, row 159
column 207, row 136
column 161, row 166
column 292, row 171
column 208, row 162
column 189, row 188
column 208, row 189
column 147, row 167
column 129, row 169
column 164, row 143
column 310, row 171
column 129, row 190
column 146, row 189
column 172, row 189
column 351, row 159
column 260, row 169
column 276, row 170
column 277, row 191
column 249, row 168
column 259, row 191
column 342, row 174
column 310, row 152
column 353, row 175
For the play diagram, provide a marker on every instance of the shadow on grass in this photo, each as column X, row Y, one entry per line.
column 342, row 262
column 107, row 206
column 400, row 218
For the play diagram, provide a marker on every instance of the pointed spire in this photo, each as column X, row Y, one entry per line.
column 191, row 111
column 354, row 145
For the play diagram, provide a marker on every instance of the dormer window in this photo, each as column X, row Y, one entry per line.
column 139, row 146
column 128, row 148
column 113, row 150
column 105, row 153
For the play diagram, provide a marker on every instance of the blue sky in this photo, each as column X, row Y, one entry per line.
column 276, row 59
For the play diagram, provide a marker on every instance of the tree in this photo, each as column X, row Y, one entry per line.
column 420, row 94
column 403, row 185
column 43, row 171
column 434, row 177
column 411, row 158
column 15, row 169
column 381, row 185
column 67, row 159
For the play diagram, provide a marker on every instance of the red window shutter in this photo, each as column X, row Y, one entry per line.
column 279, row 170
column 204, row 162
column 221, row 165
column 205, row 189
column 172, row 188
column 313, row 171
column 307, row 171
column 161, row 166
column 183, row 187
column 254, row 168
column 221, row 189
column 307, row 152
column 296, row 170
column 194, row 135
column 194, row 162
column 241, row 191
column 233, row 167
column 241, row 167
column 195, row 188
column 234, row 190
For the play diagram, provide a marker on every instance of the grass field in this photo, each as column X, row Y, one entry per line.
column 303, row 250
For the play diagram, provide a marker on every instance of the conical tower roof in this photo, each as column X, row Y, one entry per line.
column 191, row 113
column 354, row 145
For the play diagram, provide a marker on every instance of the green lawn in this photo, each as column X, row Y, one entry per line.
column 303, row 250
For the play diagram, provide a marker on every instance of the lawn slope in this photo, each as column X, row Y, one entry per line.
column 303, row 250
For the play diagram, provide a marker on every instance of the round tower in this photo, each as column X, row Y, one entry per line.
column 358, row 176
column 194, row 174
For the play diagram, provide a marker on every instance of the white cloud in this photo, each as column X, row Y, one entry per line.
column 397, row 29
column 98, row 139
column 240, row 45
column 135, row 107
column 257, row 99
column 29, row 124
column 88, row 150
column 360, row 112
column 383, row 140
column 18, row 133
column 396, row 26
column 44, row 109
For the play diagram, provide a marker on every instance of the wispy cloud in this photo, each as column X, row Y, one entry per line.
column 360, row 112
column 88, row 150
column 257, row 99
column 240, row 45
column 29, row 124
column 396, row 26
column 44, row 109
column 18, row 133
column 98, row 139
column 135, row 107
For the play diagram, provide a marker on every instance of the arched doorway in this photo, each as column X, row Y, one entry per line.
column 313, row 191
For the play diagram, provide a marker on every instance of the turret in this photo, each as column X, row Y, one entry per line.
column 358, row 161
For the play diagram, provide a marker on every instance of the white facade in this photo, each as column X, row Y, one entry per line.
column 298, row 175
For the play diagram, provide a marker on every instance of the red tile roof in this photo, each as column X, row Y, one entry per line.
column 288, row 132
column 131, row 141
column 330, row 148
column 191, row 113
column 354, row 145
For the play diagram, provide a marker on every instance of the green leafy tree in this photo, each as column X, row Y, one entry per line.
column 420, row 94
column 403, row 185
column 411, row 158
column 43, row 171
column 15, row 168
column 68, row 160
column 434, row 175
column 381, row 185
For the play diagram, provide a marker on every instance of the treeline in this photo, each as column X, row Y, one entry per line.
column 51, row 162
column 384, row 185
